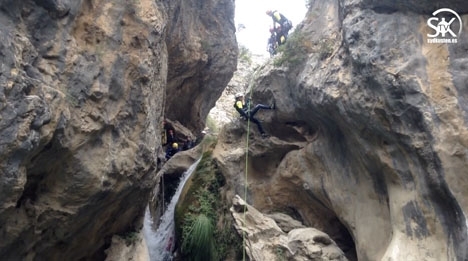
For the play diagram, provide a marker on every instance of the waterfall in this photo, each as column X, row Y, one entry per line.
column 160, row 242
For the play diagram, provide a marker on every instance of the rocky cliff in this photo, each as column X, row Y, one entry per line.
column 267, row 241
column 202, row 56
column 369, row 138
column 83, row 90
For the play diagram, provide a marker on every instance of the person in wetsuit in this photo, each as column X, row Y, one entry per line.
column 247, row 112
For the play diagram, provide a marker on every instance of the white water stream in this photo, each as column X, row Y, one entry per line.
column 160, row 242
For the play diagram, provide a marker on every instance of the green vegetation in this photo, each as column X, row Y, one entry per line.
column 245, row 56
column 202, row 221
column 294, row 52
column 130, row 238
column 198, row 239
column 230, row 244
column 280, row 255
column 211, row 124
column 208, row 143
column 325, row 48
column 297, row 49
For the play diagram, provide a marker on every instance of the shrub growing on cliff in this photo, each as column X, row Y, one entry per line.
column 294, row 52
column 203, row 199
column 198, row 240
column 244, row 55
column 131, row 238
column 298, row 47
column 280, row 255
column 211, row 124
column 325, row 48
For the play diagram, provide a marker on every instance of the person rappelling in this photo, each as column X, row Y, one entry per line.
column 247, row 113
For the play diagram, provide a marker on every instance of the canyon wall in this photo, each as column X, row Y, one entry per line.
column 83, row 89
column 369, row 141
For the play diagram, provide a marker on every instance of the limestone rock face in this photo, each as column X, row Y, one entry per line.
column 223, row 112
column 266, row 241
column 82, row 97
column 202, row 57
column 133, row 248
column 370, row 136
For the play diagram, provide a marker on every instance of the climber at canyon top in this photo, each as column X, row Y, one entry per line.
column 243, row 108
column 275, row 40
column 272, row 44
column 284, row 23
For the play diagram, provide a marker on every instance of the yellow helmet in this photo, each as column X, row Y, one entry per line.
column 282, row 39
column 175, row 145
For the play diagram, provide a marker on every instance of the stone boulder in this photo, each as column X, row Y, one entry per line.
column 285, row 222
column 264, row 240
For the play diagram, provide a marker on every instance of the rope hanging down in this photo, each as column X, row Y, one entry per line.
column 246, row 171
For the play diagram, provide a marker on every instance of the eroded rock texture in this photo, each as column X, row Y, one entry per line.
column 202, row 57
column 370, row 137
column 265, row 240
column 82, row 96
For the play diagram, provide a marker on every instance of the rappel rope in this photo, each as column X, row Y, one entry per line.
column 246, row 170
column 163, row 205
